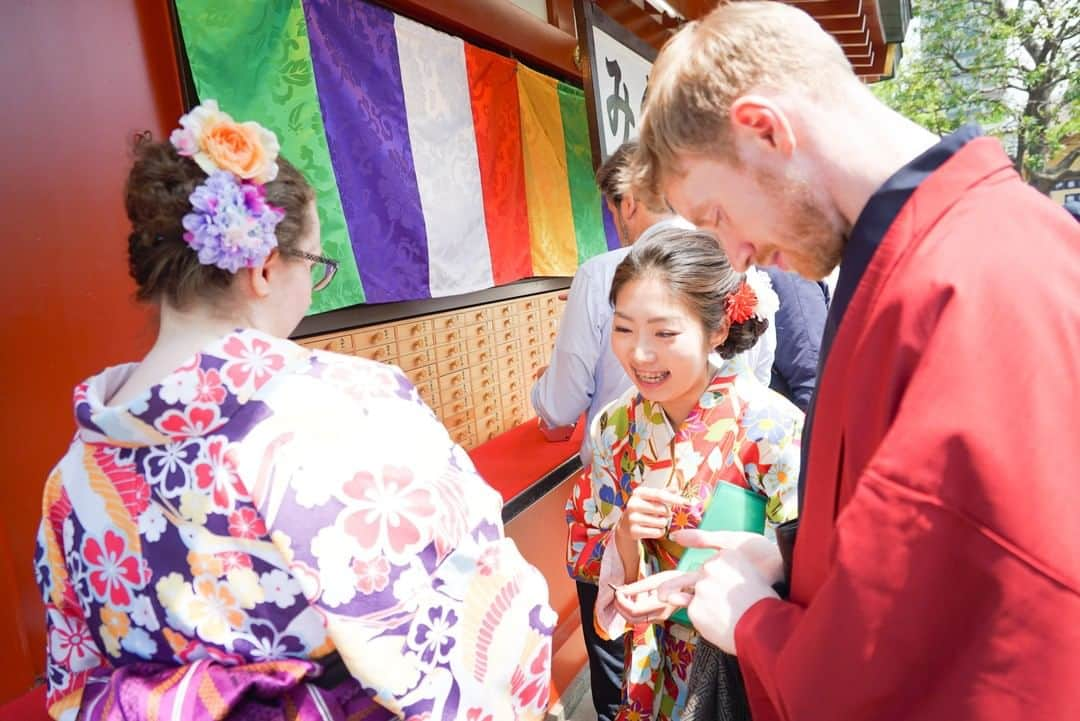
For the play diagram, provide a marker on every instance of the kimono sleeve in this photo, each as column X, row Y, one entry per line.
column 399, row 543
column 771, row 456
column 595, row 502
column 72, row 656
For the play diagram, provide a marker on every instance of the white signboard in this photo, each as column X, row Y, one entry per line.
column 621, row 76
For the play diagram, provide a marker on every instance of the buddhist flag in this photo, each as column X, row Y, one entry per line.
column 440, row 168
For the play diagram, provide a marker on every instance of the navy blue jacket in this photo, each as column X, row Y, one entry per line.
column 799, row 324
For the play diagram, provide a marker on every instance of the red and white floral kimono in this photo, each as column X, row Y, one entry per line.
column 739, row 432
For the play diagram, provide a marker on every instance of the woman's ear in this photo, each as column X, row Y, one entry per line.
column 719, row 336
column 256, row 281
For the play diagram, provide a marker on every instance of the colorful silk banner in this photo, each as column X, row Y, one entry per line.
column 440, row 168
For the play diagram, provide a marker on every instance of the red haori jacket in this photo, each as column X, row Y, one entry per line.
column 937, row 569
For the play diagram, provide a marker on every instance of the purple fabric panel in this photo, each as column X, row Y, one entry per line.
column 610, row 232
column 354, row 53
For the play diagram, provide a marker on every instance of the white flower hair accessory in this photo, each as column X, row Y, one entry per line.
column 753, row 298
column 768, row 302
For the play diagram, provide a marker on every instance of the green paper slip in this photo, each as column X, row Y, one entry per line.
column 730, row 508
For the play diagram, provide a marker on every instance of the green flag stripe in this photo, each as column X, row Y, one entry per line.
column 584, row 195
column 255, row 60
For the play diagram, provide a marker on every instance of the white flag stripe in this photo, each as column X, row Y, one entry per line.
column 436, row 88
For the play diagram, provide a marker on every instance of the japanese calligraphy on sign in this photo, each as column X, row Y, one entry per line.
column 621, row 78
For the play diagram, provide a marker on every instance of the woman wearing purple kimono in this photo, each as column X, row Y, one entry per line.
column 246, row 529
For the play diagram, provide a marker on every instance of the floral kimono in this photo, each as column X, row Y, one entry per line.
column 739, row 432
column 274, row 532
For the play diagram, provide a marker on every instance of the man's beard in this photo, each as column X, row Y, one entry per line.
column 813, row 239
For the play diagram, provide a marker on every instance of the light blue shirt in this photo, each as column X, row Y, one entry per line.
column 584, row 375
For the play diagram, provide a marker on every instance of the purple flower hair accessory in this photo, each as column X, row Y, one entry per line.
column 232, row 226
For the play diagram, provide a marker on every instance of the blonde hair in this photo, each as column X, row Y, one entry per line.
column 708, row 64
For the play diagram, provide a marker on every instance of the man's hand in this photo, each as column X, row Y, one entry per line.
column 556, row 434
column 758, row 550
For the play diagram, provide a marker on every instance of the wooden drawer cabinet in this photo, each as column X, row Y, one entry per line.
column 451, row 365
column 507, row 348
column 477, row 330
column 533, row 365
column 410, row 329
column 511, row 384
column 473, row 366
column 447, row 322
column 429, row 392
column 477, row 315
column 479, row 343
column 455, row 394
column 381, row 353
column 463, row 437
column 484, row 396
column 492, row 407
column 480, row 356
column 408, row 347
column 448, row 383
column 483, row 383
column 514, row 416
column 509, row 375
column 416, row 360
column 335, row 344
column 508, row 361
column 511, row 400
column 527, row 305
column 453, row 335
column 456, row 420
column 375, row 336
column 453, row 408
column 450, row 350
column 488, row 426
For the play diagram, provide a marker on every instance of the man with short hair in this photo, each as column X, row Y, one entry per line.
column 937, row 568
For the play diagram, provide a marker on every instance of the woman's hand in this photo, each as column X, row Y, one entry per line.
column 640, row 602
column 648, row 513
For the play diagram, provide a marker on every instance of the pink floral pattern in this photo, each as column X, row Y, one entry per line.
column 391, row 512
column 114, row 574
column 216, row 472
column 250, row 363
column 371, row 576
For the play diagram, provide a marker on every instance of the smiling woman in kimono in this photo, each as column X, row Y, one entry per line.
column 691, row 422
column 246, row 529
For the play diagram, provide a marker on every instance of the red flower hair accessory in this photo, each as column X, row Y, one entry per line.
column 741, row 304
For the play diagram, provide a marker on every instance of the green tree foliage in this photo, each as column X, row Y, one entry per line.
column 1012, row 66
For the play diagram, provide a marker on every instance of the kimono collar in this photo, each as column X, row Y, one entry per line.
column 199, row 398
column 878, row 215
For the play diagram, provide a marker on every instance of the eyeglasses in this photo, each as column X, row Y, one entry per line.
column 322, row 268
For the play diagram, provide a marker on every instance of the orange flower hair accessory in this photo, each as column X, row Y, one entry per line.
column 215, row 141
column 740, row 304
